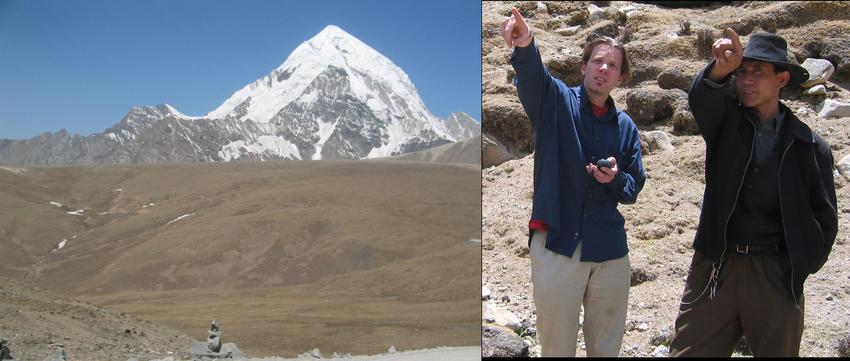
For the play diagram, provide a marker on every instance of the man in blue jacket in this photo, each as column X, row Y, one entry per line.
column 577, row 237
column 769, row 210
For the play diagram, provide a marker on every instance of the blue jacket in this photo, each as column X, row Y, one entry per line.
column 567, row 136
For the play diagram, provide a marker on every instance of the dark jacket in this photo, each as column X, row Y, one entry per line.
column 567, row 136
column 806, row 191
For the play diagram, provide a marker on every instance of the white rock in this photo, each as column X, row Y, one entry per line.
column 834, row 109
column 392, row 349
column 568, row 30
column 819, row 71
column 541, row 7
column 485, row 293
column 593, row 9
column 819, row 89
column 844, row 166
column 627, row 9
column 537, row 350
column 500, row 316
column 631, row 13
column 658, row 141
column 660, row 351
column 643, row 327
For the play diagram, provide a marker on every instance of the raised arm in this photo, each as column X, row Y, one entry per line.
column 537, row 90
column 706, row 97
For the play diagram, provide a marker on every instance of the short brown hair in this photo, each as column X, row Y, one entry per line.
column 625, row 68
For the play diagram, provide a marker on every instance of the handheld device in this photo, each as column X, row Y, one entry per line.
column 604, row 163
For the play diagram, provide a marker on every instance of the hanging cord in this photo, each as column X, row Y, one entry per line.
column 713, row 283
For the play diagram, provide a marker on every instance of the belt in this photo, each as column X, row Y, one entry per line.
column 750, row 249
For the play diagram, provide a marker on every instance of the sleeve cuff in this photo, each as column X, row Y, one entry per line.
column 714, row 85
column 618, row 182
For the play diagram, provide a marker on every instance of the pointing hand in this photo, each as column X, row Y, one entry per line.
column 515, row 30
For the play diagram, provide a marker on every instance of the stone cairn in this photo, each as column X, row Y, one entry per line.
column 213, row 348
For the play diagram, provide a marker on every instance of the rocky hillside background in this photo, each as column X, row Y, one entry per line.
column 668, row 46
column 38, row 323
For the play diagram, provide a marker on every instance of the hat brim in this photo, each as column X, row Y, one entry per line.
column 798, row 74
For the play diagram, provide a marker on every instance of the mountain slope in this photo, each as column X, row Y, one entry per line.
column 334, row 97
column 467, row 151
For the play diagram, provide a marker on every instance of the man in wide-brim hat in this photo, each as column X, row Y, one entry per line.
column 769, row 210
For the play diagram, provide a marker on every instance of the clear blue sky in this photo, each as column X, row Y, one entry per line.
column 81, row 65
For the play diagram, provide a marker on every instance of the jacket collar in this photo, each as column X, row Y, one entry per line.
column 584, row 101
column 792, row 126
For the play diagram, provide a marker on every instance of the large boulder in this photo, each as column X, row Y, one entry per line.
column 823, row 38
column 566, row 66
column 657, row 141
column 649, row 105
column 834, row 109
column 674, row 78
column 819, row 71
column 493, row 152
column 504, row 118
column 497, row 341
column 684, row 122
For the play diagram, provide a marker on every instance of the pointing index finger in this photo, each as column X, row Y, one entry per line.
column 732, row 35
column 520, row 22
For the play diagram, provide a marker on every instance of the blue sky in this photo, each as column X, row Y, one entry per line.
column 81, row 65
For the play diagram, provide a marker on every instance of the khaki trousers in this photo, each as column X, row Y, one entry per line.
column 562, row 284
column 752, row 300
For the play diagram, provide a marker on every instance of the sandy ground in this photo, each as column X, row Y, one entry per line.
column 348, row 256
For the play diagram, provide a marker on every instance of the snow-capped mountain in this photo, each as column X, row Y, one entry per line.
column 334, row 97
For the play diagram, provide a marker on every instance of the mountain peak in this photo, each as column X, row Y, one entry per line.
column 332, row 31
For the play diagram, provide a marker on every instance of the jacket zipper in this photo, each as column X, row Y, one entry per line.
column 783, row 223
column 734, row 205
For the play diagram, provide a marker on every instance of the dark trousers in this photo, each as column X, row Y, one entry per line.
column 752, row 300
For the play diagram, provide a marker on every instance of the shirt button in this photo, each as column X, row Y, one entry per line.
column 755, row 169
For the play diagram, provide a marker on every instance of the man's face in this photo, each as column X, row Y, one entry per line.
column 602, row 71
column 758, row 84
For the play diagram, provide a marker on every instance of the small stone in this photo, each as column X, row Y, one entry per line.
column 660, row 351
column 819, row 89
column 485, row 293
column 506, row 299
column 642, row 327
column 829, row 298
column 843, row 166
column 570, row 30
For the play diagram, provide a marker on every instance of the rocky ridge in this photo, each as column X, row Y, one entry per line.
column 333, row 98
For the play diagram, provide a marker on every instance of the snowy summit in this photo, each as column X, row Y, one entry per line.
column 334, row 97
